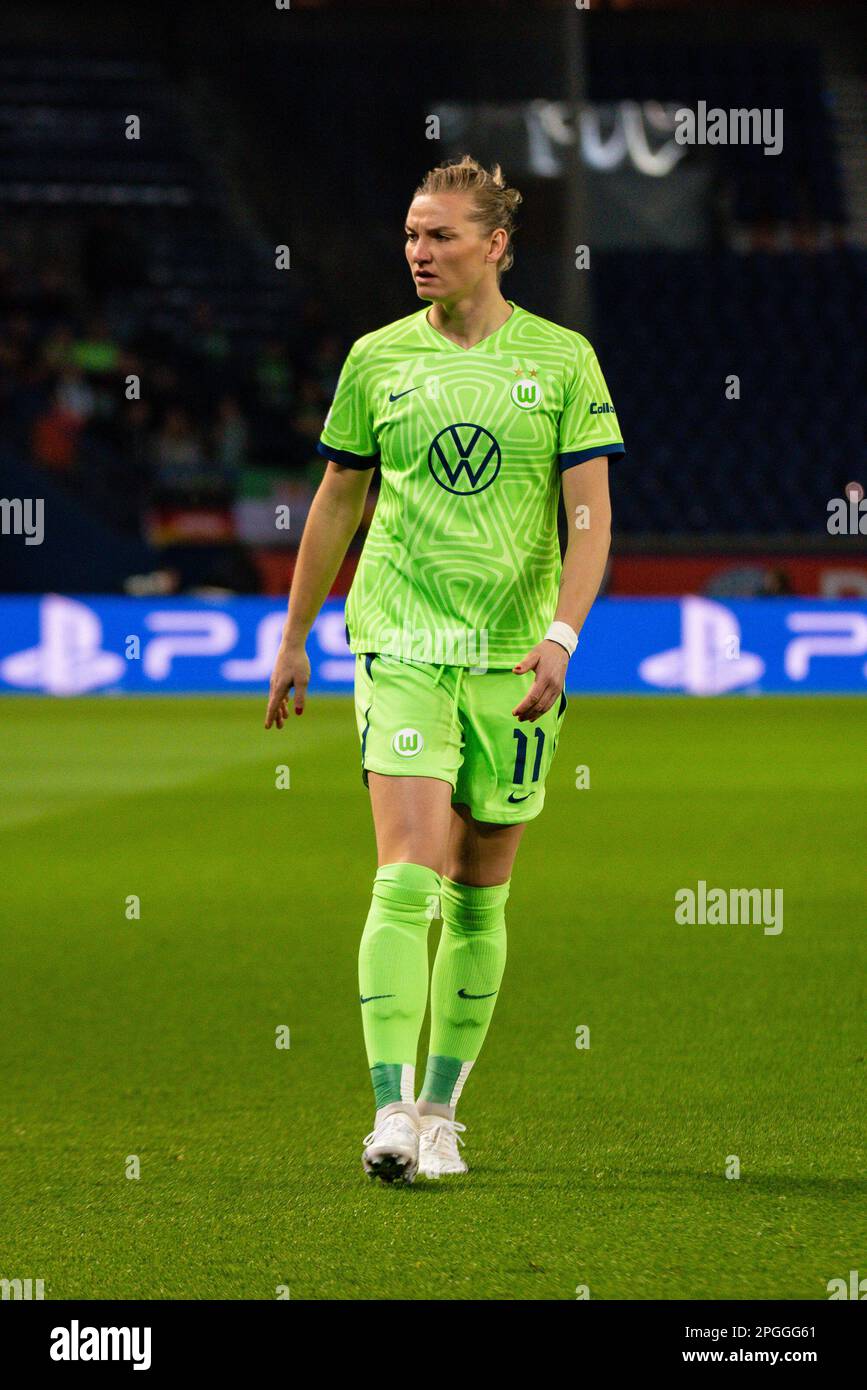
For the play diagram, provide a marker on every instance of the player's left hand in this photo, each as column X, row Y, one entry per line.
column 549, row 660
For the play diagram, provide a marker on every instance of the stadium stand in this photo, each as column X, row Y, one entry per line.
column 121, row 258
column 678, row 326
column 803, row 181
column 126, row 258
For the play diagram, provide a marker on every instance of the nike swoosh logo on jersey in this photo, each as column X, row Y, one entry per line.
column 402, row 393
column 512, row 797
column 366, row 998
column 462, row 994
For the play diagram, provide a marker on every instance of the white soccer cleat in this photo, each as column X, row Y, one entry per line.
column 438, row 1154
column 391, row 1150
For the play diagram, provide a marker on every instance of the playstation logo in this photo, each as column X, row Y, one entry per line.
column 69, row 658
column 709, row 660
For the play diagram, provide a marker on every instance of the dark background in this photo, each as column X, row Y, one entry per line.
column 306, row 128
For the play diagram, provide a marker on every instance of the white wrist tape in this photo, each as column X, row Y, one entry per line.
column 564, row 634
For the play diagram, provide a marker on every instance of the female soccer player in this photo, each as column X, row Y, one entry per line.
column 462, row 617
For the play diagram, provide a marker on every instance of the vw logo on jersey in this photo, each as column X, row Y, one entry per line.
column 526, row 393
column 464, row 449
column 407, row 743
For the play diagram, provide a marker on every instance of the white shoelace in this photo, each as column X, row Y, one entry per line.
column 380, row 1132
column 450, row 1129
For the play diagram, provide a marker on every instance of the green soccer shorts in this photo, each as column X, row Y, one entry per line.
column 420, row 720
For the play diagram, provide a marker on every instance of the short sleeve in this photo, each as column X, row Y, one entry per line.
column 588, row 421
column 347, row 434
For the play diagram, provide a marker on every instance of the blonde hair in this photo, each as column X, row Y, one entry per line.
column 494, row 201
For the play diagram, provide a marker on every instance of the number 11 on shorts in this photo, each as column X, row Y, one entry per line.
column 521, row 755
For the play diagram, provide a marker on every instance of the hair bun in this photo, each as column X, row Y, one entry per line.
column 495, row 201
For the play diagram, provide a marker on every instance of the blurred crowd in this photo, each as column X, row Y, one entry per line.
column 132, row 417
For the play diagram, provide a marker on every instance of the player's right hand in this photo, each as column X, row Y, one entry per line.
column 291, row 669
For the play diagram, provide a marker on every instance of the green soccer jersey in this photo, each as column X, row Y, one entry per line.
column 461, row 565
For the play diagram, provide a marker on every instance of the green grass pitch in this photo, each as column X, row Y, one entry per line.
column 602, row 1167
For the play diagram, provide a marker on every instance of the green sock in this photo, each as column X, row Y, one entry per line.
column 393, row 975
column 467, row 972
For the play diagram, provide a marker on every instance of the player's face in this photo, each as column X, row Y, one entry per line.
column 446, row 250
